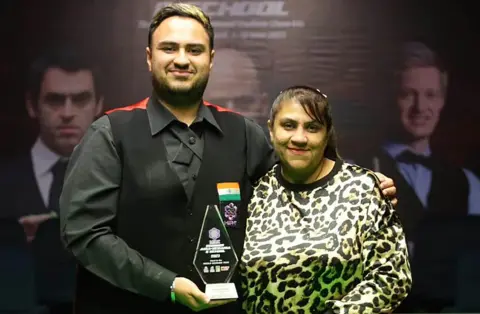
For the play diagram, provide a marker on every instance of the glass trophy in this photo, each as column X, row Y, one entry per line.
column 215, row 258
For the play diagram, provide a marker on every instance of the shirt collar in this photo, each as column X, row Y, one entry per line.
column 43, row 158
column 395, row 149
column 159, row 117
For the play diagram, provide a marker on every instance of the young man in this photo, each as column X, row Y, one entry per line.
column 139, row 183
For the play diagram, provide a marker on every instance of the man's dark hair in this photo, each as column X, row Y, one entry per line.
column 182, row 10
column 66, row 59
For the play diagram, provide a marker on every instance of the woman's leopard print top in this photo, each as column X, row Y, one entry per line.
column 336, row 244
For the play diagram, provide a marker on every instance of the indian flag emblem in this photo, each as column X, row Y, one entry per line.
column 228, row 191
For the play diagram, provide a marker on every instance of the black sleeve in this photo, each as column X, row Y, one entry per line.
column 87, row 208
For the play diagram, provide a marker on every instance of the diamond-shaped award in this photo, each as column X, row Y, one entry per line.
column 215, row 258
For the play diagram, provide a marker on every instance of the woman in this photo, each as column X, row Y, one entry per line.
column 321, row 237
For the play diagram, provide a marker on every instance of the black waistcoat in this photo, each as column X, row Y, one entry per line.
column 54, row 267
column 154, row 215
column 448, row 193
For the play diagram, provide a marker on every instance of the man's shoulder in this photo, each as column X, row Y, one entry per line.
column 101, row 122
column 220, row 108
column 121, row 115
column 140, row 105
column 230, row 118
column 224, row 112
column 251, row 126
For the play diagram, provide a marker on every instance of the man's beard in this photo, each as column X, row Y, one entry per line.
column 180, row 97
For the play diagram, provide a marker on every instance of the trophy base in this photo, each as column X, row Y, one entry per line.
column 221, row 291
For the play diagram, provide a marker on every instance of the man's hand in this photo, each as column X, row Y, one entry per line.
column 188, row 294
column 31, row 223
column 388, row 187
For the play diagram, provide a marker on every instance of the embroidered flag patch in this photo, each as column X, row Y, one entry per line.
column 228, row 191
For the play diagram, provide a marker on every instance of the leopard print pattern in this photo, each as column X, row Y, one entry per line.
column 337, row 247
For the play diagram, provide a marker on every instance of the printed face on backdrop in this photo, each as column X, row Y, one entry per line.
column 66, row 106
column 179, row 57
column 421, row 100
column 298, row 139
column 234, row 84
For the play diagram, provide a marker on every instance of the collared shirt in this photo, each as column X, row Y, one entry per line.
column 419, row 177
column 95, row 169
column 43, row 159
column 183, row 143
